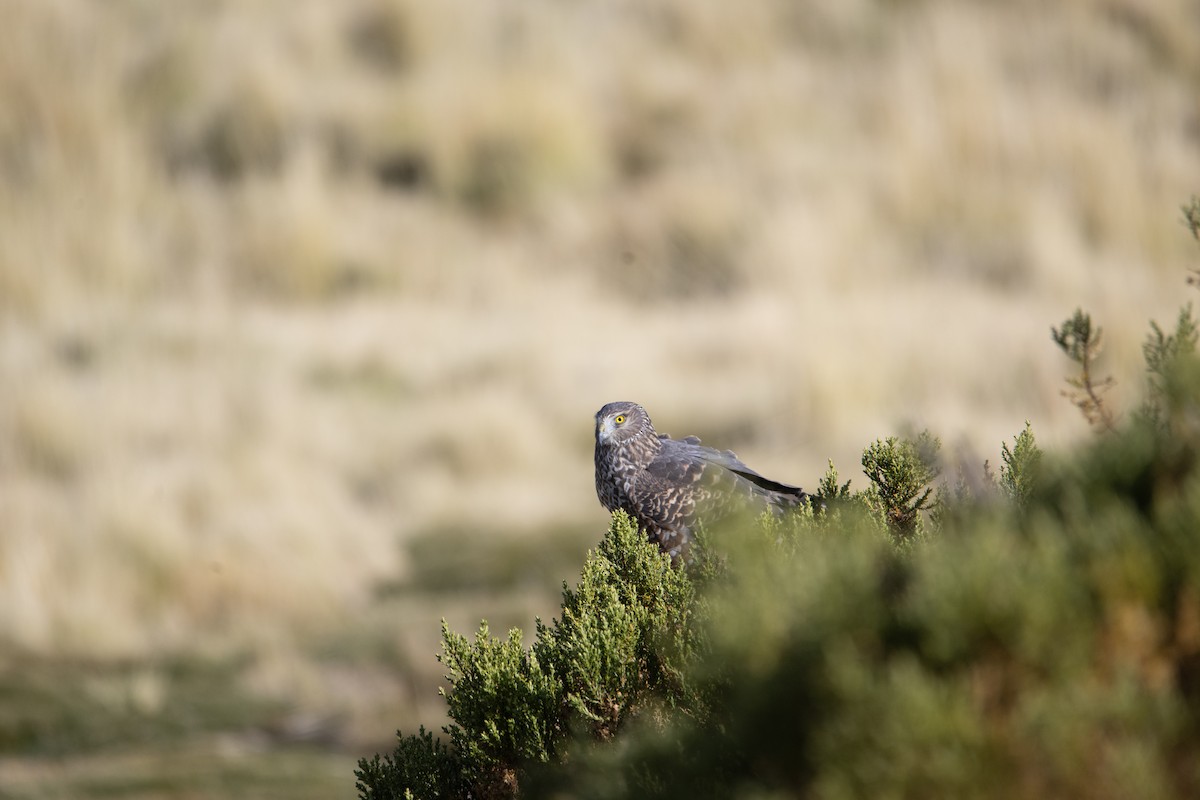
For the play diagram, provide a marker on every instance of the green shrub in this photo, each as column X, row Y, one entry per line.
column 626, row 633
column 901, row 471
column 619, row 652
column 420, row 767
column 1047, row 646
column 1044, row 647
column 1020, row 467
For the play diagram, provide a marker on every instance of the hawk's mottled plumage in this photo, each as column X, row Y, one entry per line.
column 667, row 484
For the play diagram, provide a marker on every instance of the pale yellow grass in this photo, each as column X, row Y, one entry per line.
column 243, row 363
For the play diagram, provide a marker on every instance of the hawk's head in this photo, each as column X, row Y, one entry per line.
column 620, row 422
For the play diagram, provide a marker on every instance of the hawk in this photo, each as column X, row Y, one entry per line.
column 668, row 485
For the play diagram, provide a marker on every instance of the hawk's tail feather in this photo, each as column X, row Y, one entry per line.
column 772, row 487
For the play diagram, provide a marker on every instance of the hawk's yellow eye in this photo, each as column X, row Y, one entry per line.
column 619, row 419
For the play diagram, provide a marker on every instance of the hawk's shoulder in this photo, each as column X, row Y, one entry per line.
column 678, row 461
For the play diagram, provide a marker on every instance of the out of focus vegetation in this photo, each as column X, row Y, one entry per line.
column 305, row 308
column 1036, row 636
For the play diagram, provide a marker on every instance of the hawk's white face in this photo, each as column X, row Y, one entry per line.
column 617, row 422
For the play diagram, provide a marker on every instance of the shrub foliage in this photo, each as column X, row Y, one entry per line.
column 619, row 651
column 1044, row 645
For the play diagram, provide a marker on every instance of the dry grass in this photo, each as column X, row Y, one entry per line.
column 284, row 286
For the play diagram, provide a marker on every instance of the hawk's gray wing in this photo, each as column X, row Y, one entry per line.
column 686, row 480
column 723, row 468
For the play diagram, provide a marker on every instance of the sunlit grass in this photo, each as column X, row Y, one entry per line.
column 218, row 768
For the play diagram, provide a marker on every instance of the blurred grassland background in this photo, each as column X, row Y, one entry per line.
column 305, row 308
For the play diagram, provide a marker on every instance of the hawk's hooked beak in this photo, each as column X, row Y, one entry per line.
column 603, row 429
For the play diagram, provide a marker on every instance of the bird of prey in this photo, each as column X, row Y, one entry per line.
column 668, row 485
